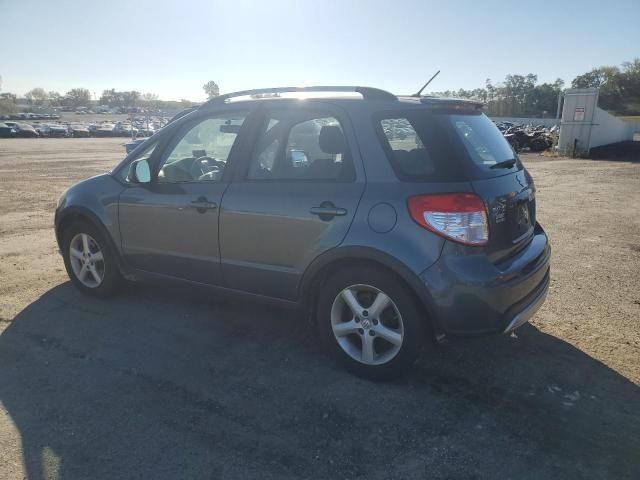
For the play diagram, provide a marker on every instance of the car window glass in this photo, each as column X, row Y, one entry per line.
column 201, row 154
column 408, row 150
column 482, row 139
column 301, row 146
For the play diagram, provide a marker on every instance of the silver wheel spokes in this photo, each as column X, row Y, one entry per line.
column 367, row 324
column 87, row 260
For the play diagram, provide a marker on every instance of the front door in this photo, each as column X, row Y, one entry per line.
column 170, row 226
column 294, row 199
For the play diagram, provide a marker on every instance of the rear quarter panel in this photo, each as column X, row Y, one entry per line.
column 403, row 239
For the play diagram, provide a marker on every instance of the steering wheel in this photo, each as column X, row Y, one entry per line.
column 208, row 166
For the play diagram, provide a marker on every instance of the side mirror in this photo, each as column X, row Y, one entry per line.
column 298, row 158
column 139, row 172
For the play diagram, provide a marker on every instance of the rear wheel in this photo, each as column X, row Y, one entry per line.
column 372, row 324
column 89, row 261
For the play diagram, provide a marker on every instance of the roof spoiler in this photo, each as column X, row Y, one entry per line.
column 454, row 103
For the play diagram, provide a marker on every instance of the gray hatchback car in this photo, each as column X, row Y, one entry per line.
column 389, row 220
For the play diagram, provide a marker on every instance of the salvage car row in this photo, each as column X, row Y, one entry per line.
column 11, row 129
column 535, row 138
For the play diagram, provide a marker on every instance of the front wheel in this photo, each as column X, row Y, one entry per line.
column 372, row 324
column 89, row 261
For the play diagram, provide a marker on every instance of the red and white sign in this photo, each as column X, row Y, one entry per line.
column 578, row 115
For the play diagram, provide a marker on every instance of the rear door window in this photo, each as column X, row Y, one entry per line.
column 303, row 146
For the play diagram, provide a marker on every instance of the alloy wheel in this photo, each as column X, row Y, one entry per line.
column 367, row 324
column 87, row 260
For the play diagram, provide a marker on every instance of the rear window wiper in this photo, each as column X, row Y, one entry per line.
column 504, row 164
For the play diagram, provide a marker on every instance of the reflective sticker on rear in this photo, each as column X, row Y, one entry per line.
column 498, row 210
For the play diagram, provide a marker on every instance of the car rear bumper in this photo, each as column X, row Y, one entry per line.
column 531, row 306
column 469, row 295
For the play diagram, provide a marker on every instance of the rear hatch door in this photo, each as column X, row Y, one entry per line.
column 499, row 178
column 511, row 208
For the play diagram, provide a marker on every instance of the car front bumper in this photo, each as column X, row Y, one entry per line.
column 469, row 295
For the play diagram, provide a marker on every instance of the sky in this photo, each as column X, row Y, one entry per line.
column 173, row 48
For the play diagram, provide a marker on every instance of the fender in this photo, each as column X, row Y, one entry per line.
column 80, row 211
column 353, row 252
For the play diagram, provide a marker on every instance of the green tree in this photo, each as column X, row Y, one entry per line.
column 607, row 79
column 211, row 89
column 543, row 99
column 596, row 78
column 629, row 80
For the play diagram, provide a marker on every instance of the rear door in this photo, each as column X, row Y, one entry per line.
column 294, row 199
column 170, row 226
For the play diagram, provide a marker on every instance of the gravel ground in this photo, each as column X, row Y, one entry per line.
column 166, row 382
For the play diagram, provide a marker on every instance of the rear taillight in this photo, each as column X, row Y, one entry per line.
column 461, row 217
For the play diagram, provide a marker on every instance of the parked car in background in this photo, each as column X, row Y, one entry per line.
column 57, row 130
column 6, row 131
column 24, row 130
column 430, row 232
column 104, row 130
column 41, row 128
column 124, row 130
column 144, row 130
column 78, row 130
column 131, row 146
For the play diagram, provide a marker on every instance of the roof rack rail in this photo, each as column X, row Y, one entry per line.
column 368, row 93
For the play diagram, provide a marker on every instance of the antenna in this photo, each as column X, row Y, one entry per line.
column 417, row 94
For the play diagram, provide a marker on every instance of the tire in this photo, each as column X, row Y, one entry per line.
column 538, row 145
column 106, row 267
column 402, row 315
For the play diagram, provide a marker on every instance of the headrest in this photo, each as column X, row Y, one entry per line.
column 332, row 140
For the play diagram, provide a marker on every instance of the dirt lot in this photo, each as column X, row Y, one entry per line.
column 165, row 383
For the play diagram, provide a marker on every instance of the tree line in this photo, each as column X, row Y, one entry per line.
column 523, row 96
column 517, row 95
column 81, row 97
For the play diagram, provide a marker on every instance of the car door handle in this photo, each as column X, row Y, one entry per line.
column 328, row 212
column 202, row 205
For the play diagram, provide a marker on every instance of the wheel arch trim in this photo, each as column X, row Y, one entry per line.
column 86, row 214
column 372, row 255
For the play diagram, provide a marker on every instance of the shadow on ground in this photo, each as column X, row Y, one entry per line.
column 163, row 384
column 617, row 152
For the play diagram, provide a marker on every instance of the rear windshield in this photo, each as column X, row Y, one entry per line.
column 423, row 145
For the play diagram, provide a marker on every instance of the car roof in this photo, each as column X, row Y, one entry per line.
column 344, row 95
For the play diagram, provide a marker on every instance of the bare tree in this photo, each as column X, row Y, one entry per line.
column 37, row 96
column 78, row 97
